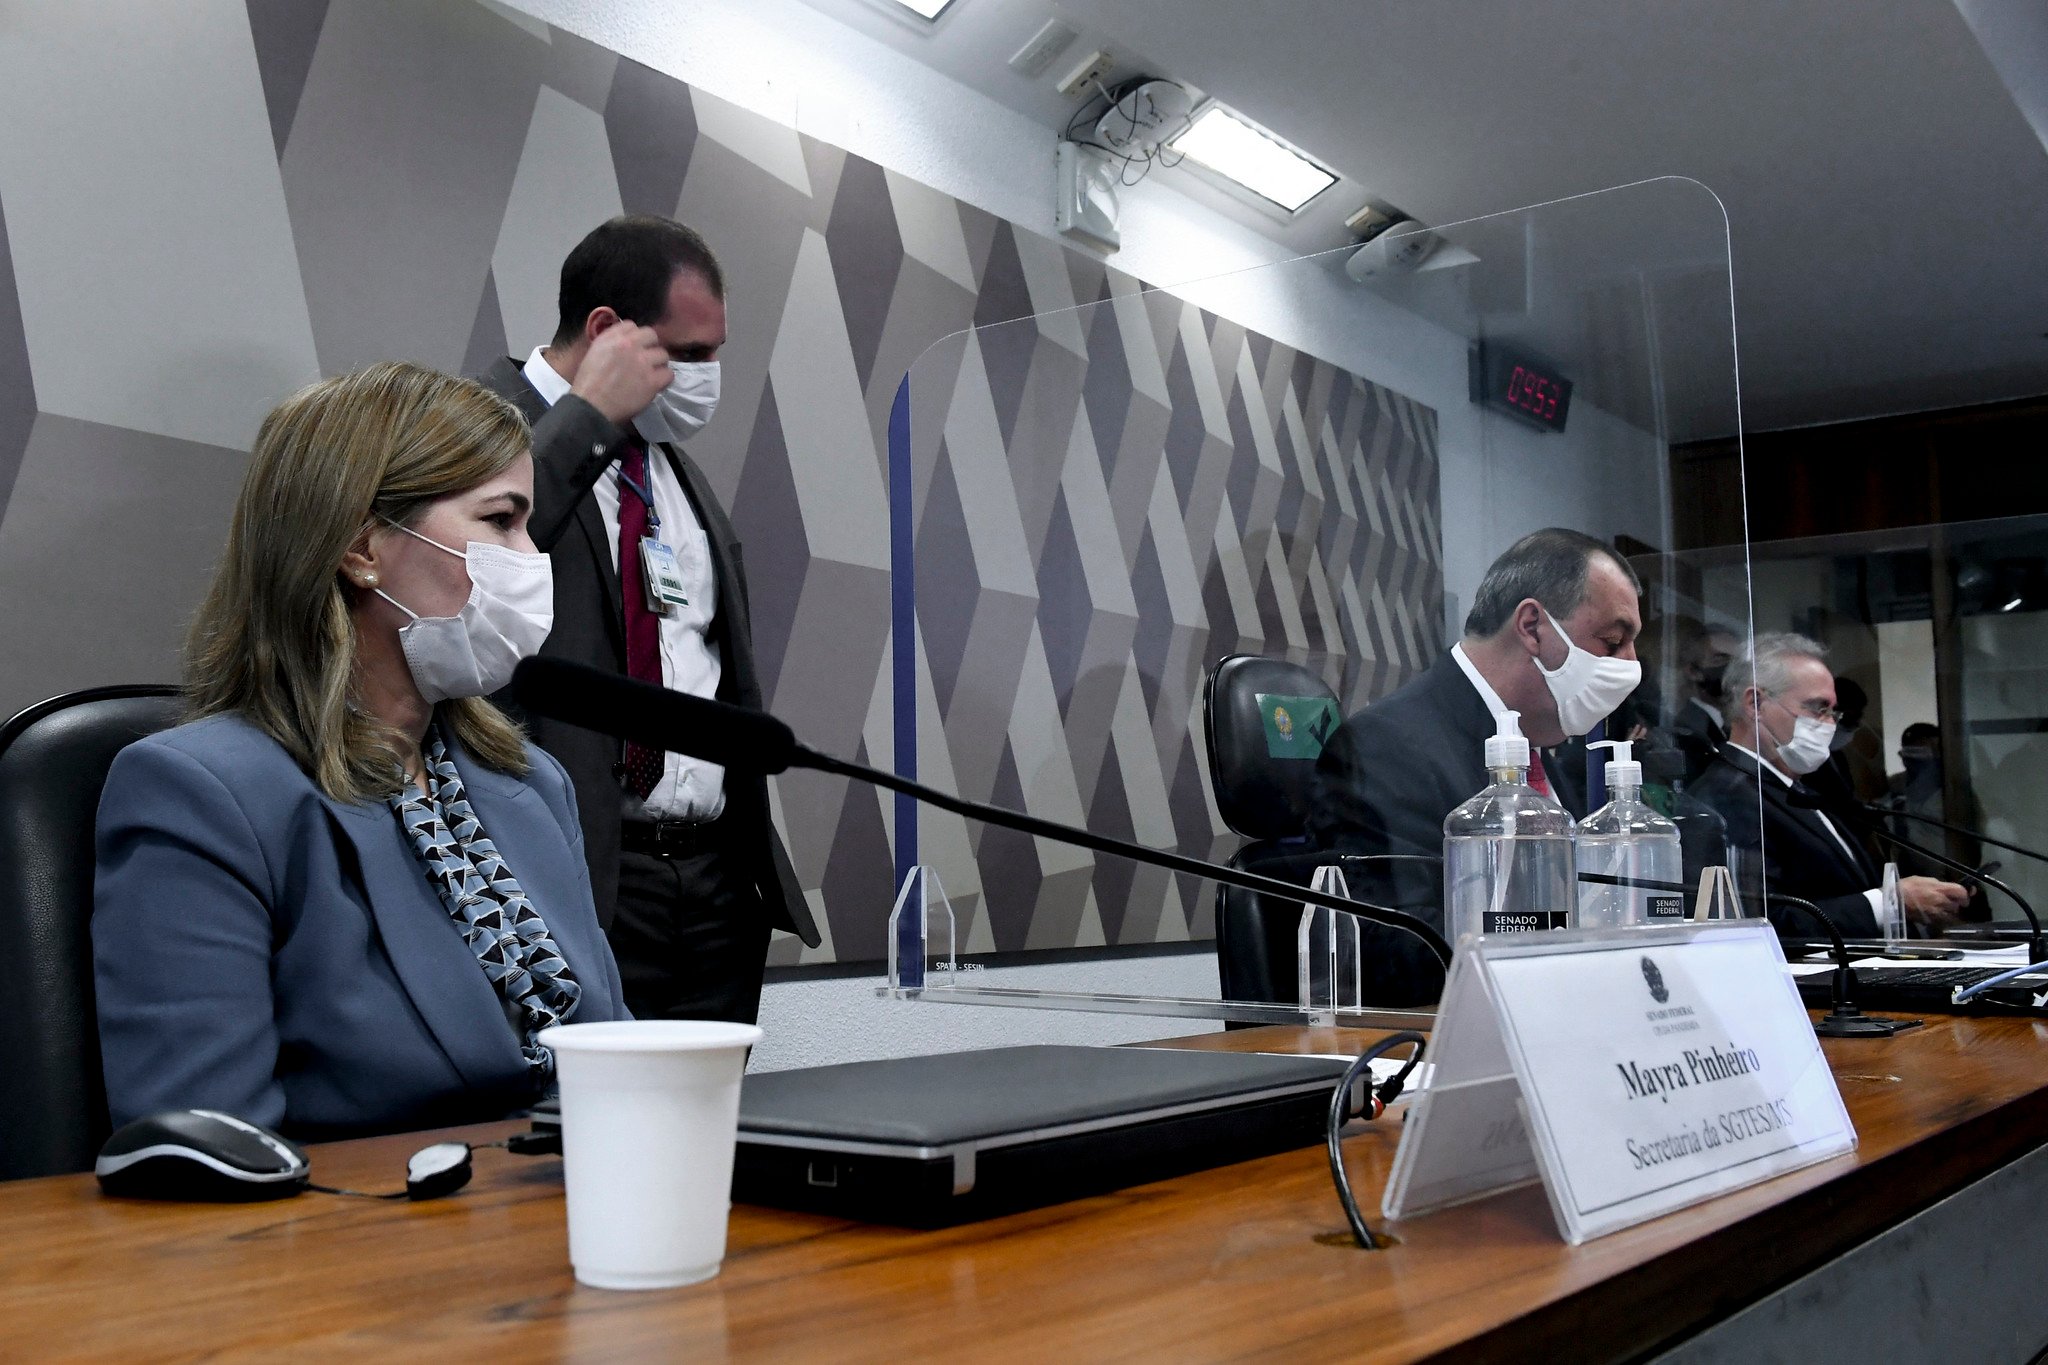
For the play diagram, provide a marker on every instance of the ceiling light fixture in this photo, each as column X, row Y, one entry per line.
column 2013, row 605
column 925, row 9
column 1255, row 159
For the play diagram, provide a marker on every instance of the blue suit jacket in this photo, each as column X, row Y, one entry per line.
column 263, row 949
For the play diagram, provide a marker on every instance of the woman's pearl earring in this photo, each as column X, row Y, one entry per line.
column 368, row 580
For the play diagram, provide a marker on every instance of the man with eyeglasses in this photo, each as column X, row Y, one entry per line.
column 1781, row 717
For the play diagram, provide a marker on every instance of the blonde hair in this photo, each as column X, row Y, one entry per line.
column 275, row 641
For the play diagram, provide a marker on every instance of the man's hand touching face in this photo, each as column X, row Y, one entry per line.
column 625, row 367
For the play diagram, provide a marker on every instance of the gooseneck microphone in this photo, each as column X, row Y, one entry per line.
column 1805, row 798
column 1844, row 1019
column 1874, row 808
column 613, row 704
column 753, row 741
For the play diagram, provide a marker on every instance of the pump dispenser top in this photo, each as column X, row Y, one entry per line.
column 1506, row 748
column 1622, row 769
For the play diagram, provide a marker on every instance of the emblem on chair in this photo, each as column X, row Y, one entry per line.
column 1296, row 727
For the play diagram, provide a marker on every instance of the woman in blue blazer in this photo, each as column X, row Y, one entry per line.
column 349, row 895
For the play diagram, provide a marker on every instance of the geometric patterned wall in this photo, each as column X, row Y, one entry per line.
column 1108, row 498
column 204, row 206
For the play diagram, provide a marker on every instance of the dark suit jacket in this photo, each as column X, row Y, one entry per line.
column 1799, row 857
column 1565, row 765
column 263, row 949
column 1697, row 736
column 1384, row 783
column 573, row 444
column 1391, row 773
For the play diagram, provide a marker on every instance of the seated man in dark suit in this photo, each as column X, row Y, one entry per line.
column 1695, row 722
column 1780, row 722
column 1551, row 635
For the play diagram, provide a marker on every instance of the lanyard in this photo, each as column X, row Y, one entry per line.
column 645, row 494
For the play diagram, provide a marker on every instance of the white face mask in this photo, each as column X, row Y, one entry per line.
column 680, row 411
column 1586, row 686
column 510, row 610
column 1809, row 746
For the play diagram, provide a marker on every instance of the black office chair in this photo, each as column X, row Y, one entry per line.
column 53, row 761
column 1264, row 797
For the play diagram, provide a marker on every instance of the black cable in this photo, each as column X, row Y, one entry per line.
column 1123, row 175
column 1112, row 102
column 1086, row 105
column 430, row 1184
column 1380, row 1097
column 355, row 1194
column 1187, row 121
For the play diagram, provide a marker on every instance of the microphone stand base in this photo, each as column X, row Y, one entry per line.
column 1854, row 1023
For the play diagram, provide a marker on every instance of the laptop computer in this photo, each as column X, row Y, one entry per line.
column 950, row 1138
column 954, row 1137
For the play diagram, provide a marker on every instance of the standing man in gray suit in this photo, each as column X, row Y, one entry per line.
column 688, row 872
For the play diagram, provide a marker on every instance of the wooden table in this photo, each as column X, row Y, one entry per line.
column 1247, row 1260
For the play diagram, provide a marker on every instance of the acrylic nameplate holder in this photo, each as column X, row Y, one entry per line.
column 1632, row 1072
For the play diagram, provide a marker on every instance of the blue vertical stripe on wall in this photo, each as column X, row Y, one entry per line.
column 903, row 622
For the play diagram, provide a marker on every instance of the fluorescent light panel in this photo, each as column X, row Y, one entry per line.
column 925, row 9
column 1233, row 148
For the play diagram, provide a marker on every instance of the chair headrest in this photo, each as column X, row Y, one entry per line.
column 1267, row 720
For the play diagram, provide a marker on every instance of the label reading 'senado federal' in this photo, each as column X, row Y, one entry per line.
column 1523, row 921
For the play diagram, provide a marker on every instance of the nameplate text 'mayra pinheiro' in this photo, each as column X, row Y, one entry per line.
column 1633, row 1071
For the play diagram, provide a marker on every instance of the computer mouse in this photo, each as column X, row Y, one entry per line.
column 201, row 1155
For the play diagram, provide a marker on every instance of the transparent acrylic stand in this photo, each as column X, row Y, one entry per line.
column 1717, row 898
column 1329, row 971
column 923, row 966
column 1891, row 917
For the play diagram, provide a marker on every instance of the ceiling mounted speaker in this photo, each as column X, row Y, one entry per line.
column 1399, row 250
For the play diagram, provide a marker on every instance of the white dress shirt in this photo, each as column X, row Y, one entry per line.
column 689, row 789
column 1876, row 894
column 1494, row 705
column 1496, row 708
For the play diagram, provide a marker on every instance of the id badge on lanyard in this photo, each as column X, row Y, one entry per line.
column 660, row 575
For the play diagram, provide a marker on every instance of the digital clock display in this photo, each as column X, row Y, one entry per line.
column 1521, row 386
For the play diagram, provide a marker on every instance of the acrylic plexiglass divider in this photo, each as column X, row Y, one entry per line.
column 1095, row 499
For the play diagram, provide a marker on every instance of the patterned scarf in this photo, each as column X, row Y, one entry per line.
column 483, row 897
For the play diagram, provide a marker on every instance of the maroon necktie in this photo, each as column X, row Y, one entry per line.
column 1538, row 778
column 643, row 630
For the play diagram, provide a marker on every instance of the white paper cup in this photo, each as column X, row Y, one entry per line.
column 650, row 1112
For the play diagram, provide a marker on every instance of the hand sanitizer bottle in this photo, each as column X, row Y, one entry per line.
column 1508, row 860
column 1627, row 838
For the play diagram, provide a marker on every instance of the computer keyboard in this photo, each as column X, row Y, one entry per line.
column 1947, row 978
column 1932, row 990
